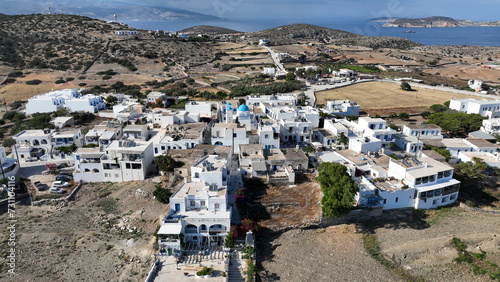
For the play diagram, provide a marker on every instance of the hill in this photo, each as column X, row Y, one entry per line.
column 437, row 21
column 102, row 10
column 69, row 42
column 207, row 29
column 297, row 32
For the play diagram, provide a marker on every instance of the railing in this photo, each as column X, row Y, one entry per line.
column 169, row 240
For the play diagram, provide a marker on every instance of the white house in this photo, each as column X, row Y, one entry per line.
column 420, row 183
column 124, row 160
column 137, row 132
column 33, row 144
column 264, row 41
column 491, row 126
column 475, row 84
column 103, row 133
column 246, row 118
column 456, row 145
column 154, row 96
column 485, row 108
column 86, row 103
column 309, row 113
column 376, row 127
column 286, row 99
column 185, row 136
column 423, row 131
column 204, row 109
column 50, row 102
column 295, row 131
column 210, row 169
column 251, row 160
column 270, row 71
column 199, row 211
column 269, row 134
column 408, row 143
column 229, row 134
column 342, row 108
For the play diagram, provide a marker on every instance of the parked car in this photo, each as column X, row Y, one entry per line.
column 62, row 165
column 65, row 178
column 60, row 184
column 39, row 186
column 56, row 190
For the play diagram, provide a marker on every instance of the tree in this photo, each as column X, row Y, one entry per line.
column 342, row 139
column 404, row 116
column 189, row 81
column 405, row 86
column 473, row 169
column 167, row 163
column 241, row 101
column 442, row 151
column 230, row 240
column 162, row 195
column 9, row 142
column 438, row 108
column 111, row 100
column 338, row 189
column 290, row 76
column 425, row 114
column 309, row 149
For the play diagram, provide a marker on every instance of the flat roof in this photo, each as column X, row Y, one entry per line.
column 455, row 142
column 422, row 126
column 481, row 143
column 197, row 189
column 226, row 125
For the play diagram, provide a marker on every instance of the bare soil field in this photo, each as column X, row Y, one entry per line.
column 422, row 244
column 293, row 206
column 297, row 49
column 330, row 254
column 383, row 98
column 105, row 234
column 228, row 45
column 247, row 49
column 467, row 72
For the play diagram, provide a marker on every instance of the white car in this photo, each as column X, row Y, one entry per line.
column 60, row 184
column 56, row 190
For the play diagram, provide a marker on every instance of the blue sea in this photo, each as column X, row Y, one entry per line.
column 471, row 36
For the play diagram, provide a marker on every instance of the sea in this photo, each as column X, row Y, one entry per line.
column 454, row 36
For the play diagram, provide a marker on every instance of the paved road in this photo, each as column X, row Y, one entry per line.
column 279, row 65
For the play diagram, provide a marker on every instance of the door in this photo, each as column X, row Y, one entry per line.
column 177, row 207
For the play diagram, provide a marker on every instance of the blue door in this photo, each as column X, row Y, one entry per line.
column 177, row 207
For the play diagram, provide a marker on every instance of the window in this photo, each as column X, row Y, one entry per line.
column 163, row 148
column 117, row 175
column 196, row 175
column 266, row 136
column 453, row 197
column 234, row 135
column 202, row 203
column 444, row 200
column 191, row 203
column 435, row 202
column 127, row 165
column 217, row 206
column 397, row 198
column 385, row 201
column 136, row 166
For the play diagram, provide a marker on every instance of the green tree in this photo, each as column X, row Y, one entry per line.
column 290, row 76
column 167, row 163
column 338, row 189
column 473, row 169
column 9, row 142
column 189, row 81
column 425, row 114
column 309, row 149
column 343, row 139
column 404, row 116
column 442, row 151
column 111, row 100
column 405, row 86
column 438, row 108
column 162, row 195
column 230, row 240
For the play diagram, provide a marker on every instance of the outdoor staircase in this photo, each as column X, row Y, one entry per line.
column 235, row 271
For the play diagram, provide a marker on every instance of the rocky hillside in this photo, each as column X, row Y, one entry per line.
column 437, row 22
column 69, row 42
column 300, row 32
column 210, row 30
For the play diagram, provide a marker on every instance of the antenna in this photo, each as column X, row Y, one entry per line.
column 50, row 11
column 116, row 18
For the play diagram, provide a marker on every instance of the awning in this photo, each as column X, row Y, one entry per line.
column 170, row 229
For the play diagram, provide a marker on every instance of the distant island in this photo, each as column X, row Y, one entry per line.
column 437, row 22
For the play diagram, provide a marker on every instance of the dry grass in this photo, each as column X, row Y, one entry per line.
column 227, row 45
column 383, row 97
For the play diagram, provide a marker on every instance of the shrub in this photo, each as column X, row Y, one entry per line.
column 33, row 82
column 106, row 77
column 60, row 81
column 162, row 195
column 205, row 271
column 9, row 80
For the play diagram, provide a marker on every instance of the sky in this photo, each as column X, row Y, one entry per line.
column 356, row 9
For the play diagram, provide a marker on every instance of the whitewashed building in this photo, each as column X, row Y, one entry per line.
column 296, row 131
column 50, row 102
column 423, row 131
column 123, row 160
column 204, row 109
column 176, row 136
column 269, row 134
column 10, row 167
column 86, row 103
column 32, row 145
column 229, row 134
column 342, row 108
column 485, row 108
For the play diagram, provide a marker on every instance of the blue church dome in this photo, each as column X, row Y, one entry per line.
column 229, row 108
column 228, row 104
column 243, row 108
